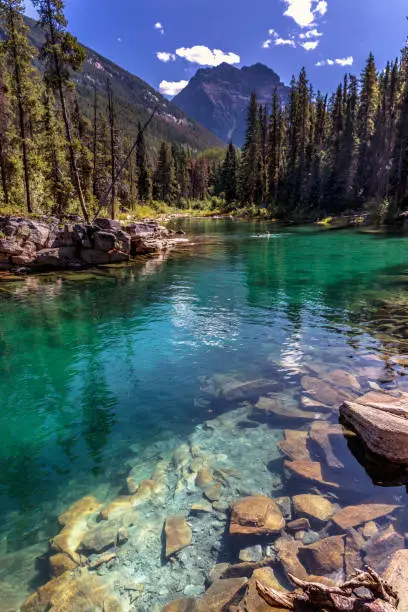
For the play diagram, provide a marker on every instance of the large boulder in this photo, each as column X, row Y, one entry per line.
column 104, row 241
column 381, row 421
column 55, row 258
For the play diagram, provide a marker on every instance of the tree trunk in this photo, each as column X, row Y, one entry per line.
column 111, row 114
column 21, row 113
column 65, row 116
column 3, row 169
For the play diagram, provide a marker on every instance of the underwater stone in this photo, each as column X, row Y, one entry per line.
column 341, row 378
column 396, row 575
column 294, row 446
column 60, row 563
column 310, row 537
column 309, row 470
column 100, row 538
column 275, row 406
column 321, row 434
column 323, row 392
column 313, row 506
column 353, row 516
column 287, row 550
column 178, row 534
column 309, row 403
column 324, row 556
column 381, row 546
column 180, row 605
column 370, row 529
column 222, row 594
column 251, row 553
column 213, row 493
column 204, row 478
column 301, row 524
column 256, row 515
column 75, row 525
column 285, row 506
column 253, row 602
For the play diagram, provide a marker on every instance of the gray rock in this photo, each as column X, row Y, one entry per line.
column 107, row 224
column 104, row 241
column 101, row 538
column 310, row 537
column 285, row 506
column 55, row 258
column 251, row 553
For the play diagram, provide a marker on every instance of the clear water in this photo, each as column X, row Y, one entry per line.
column 99, row 366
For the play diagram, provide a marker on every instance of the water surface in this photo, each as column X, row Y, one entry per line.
column 103, row 366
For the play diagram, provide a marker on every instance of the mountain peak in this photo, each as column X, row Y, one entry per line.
column 218, row 97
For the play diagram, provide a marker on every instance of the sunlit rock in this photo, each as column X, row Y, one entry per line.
column 310, row 470
column 61, row 563
column 100, row 538
column 353, row 516
column 295, row 445
column 288, row 550
column 256, row 515
column 221, row 594
column 75, row 525
column 178, row 534
column 396, row 575
column 205, row 477
column 253, row 602
column 315, row 507
column 213, row 493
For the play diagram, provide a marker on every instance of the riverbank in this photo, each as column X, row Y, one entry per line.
column 35, row 245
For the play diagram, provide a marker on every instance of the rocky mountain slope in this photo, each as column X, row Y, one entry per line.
column 218, row 97
column 134, row 98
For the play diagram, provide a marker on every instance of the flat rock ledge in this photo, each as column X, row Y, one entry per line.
column 27, row 244
column 381, row 420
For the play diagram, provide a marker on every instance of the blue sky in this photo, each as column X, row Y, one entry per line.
column 166, row 41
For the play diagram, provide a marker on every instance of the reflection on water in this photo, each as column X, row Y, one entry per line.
column 101, row 370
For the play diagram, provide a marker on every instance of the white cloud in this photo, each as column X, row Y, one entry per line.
column 273, row 33
column 172, row 88
column 311, row 45
column 199, row 54
column 285, row 41
column 310, row 34
column 300, row 11
column 304, row 12
column 165, row 57
column 266, row 44
column 159, row 26
column 341, row 61
column 321, row 7
column 345, row 61
column 119, row 40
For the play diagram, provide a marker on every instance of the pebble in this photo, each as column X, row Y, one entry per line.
column 311, row 537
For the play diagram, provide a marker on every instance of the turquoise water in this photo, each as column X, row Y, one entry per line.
column 99, row 366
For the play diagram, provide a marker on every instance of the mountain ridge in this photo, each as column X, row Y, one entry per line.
column 218, row 97
column 135, row 99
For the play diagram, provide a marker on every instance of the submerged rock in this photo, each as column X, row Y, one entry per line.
column 379, row 549
column 222, row 594
column 75, row 525
column 252, row 553
column 309, row 470
column 256, row 515
column 253, row 602
column 288, row 550
column 353, row 516
column 323, row 391
column 315, row 507
column 396, row 575
column 325, row 556
column 322, row 434
column 178, row 534
column 295, row 445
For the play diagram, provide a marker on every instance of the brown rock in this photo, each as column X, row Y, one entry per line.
column 380, row 548
column 324, row 556
column 352, row 557
column 100, row 538
column 248, row 390
column 253, row 602
column 256, row 515
column 295, row 445
column 370, row 529
column 301, row 524
column 75, row 525
column 277, row 407
column 309, row 403
column 287, row 550
column 353, row 516
column 222, row 594
column 396, row 575
column 309, row 470
column 204, row 478
column 395, row 403
column 178, row 534
column 323, row 392
column 313, row 506
column 341, row 378
column 61, row 563
column 213, row 493
column 181, row 605
column 321, row 434
column 384, row 433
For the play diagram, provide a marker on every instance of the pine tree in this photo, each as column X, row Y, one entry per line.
column 143, row 175
column 250, row 153
column 400, row 154
column 61, row 53
column 229, row 176
column 369, row 98
column 113, row 142
column 19, row 54
column 164, row 176
column 4, row 125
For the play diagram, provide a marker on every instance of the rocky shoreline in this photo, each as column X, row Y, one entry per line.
column 31, row 245
column 221, row 533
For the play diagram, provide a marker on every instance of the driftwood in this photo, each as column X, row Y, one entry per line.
column 380, row 596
